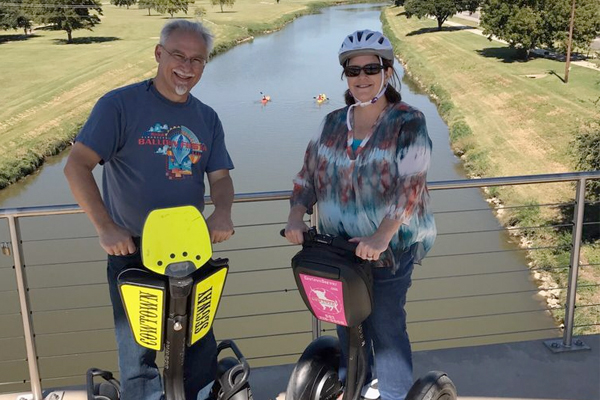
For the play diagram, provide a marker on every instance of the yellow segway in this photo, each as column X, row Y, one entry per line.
column 172, row 300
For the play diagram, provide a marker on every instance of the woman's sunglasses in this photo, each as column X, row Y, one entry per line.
column 370, row 69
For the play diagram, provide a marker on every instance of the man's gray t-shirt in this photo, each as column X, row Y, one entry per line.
column 155, row 151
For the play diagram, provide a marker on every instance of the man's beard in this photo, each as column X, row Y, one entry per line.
column 181, row 90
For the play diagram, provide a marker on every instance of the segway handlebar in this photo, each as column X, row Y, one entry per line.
column 313, row 236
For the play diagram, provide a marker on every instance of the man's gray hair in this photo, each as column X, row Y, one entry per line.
column 187, row 26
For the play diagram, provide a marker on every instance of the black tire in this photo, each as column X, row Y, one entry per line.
column 434, row 385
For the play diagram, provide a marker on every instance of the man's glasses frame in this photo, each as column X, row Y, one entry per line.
column 352, row 71
column 195, row 62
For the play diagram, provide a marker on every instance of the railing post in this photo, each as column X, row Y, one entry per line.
column 567, row 341
column 34, row 375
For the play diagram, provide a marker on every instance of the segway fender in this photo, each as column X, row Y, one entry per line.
column 315, row 375
column 435, row 385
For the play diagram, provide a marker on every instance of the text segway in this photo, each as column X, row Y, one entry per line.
column 336, row 287
column 172, row 300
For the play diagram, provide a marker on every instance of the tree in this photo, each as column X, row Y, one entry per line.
column 172, row 6
column 14, row 16
column 66, row 15
column 441, row 10
column 528, row 24
column 148, row 4
column 586, row 27
column 121, row 3
column 228, row 3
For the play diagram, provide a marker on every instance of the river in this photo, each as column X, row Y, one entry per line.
column 459, row 297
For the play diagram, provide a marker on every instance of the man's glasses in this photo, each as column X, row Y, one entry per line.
column 195, row 62
column 370, row 69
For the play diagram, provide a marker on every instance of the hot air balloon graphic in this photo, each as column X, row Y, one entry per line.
column 183, row 151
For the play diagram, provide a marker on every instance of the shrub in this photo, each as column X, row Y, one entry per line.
column 586, row 152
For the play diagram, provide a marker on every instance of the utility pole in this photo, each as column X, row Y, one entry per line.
column 570, row 43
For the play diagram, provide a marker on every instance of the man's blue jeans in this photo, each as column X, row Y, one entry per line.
column 385, row 332
column 139, row 375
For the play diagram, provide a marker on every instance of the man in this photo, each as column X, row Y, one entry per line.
column 156, row 142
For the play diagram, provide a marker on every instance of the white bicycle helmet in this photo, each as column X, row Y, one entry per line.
column 366, row 42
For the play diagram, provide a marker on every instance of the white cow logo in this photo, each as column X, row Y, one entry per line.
column 326, row 303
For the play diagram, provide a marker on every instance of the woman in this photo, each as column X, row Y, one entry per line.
column 366, row 172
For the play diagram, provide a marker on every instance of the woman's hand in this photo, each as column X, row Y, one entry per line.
column 370, row 247
column 295, row 228
column 294, row 231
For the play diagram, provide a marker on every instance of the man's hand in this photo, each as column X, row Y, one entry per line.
column 116, row 241
column 219, row 223
column 220, row 226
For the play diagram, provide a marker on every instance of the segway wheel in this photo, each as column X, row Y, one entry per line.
column 435, row 385
column 315, row 375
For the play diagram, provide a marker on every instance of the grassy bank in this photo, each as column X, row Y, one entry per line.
column 49, row 87
column 508, row 117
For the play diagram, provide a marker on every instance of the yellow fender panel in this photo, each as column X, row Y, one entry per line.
column 145, row 311
column 205, row 301
column 175, row 241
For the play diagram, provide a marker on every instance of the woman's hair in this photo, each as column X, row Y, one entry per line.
column 187, row 26
column 392, row 92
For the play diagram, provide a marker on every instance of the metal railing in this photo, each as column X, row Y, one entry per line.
column 13, row 216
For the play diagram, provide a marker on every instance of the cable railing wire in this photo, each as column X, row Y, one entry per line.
column 472, row 274
column 486, row 335
column 586, row 325
column 58, row 334
column 262, row 314
column 96, row 236
column 270, row 335
column 425, row 321
column 260, row 292
column 504, row 229
column 71, row 309
column 586, row 305
column 89, row 284
column 503, row 208
column 497, row 251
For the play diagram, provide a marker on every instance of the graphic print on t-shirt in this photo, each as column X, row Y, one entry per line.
column 178, row 144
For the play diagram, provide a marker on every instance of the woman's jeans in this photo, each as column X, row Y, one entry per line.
column 385, row 332
column 139, row 375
